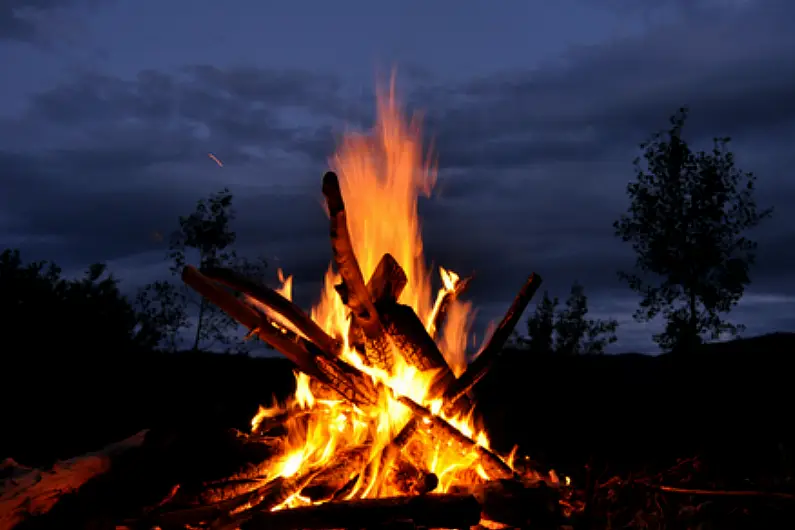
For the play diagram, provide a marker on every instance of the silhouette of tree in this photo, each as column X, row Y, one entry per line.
column 541, row 325
column 685, row 222
column 567, row 331
column 165, row 307
column 89, row 314
column 575, row 334
column 207, row 234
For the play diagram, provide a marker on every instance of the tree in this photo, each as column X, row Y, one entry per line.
column 568, row 331
column 206, row 232
column 687, row 216
column 576, row 334
column 165, row 308
column 88, row 315
column 541, row 326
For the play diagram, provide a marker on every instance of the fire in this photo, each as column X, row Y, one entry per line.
column 382, row 175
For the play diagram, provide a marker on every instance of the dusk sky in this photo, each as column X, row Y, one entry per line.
column 108, row 109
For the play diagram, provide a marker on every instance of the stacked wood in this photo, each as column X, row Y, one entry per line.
column 428, row 511
column 183, row 482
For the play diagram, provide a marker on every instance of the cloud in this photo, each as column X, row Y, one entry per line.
column 30, row 20
column 533, row 164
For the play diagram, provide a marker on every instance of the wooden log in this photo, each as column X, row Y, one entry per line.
column 334, row 476
column 430, row 511
column 348, row 382
column 384, row 286
column 293, row 314
column 518, row 505
column 28, row 493
column 387, row 282
column 492, row 464
column 409, row 479
column 483, row 363
column 444, row 305
column 354, row 291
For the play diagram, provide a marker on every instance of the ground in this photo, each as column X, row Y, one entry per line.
column 620, row 416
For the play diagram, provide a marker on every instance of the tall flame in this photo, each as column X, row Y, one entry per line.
column 382, row 175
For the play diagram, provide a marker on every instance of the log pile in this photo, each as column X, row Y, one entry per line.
column 246, row 495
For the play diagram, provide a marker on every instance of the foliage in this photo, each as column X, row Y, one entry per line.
column 165, row 307
column 685, row 222
column 568, row 331
column 88, row 314
column 206, row 232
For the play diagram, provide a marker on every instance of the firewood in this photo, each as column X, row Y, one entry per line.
column 354, row 291
column 430, row 511
column 409, row 479
column 387, row 282
column 335, row 475
column 30, row 492
column 418, row 348
column 444, row 305
column 516, row 504
column 412, row 339
column 278, row 303
column 348, row 382
column 442, row 430
column 384, row 286
column 483, row 363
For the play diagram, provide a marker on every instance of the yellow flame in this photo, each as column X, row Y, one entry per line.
column 382, row 175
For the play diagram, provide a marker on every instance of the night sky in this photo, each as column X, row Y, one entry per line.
column 108, row 110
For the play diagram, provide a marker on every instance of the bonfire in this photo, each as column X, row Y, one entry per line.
column 382, row 428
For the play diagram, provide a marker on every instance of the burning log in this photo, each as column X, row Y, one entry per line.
column 444, row 305
column 408, row 479
column 336, row 475
column 441, row 429
column 278, row 303
column 483, row 363
column 430, row 511
column 384, row 286
column 387, row 282
column 353, row 290
column 410, row 337
column 348, row 382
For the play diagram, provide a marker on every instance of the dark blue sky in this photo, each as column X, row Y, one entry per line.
column 109, row 108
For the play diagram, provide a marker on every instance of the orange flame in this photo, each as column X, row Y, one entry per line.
column 382, row 175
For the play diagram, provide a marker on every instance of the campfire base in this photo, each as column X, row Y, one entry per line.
column 151, row 480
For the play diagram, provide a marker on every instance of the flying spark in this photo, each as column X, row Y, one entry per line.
column 215, row 158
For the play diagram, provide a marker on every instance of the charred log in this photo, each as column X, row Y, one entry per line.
column 348, row 382
column 334, row 476
column 354, row 291
column 440, row 429
column 387, row 282
column 384, row 286
column 430, row 511
column 444, row 305
column 483, row 363
column 518, row 505
column 293, row 314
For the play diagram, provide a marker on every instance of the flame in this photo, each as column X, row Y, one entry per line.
column 382, row 175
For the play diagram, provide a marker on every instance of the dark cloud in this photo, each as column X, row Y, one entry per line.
column 533, row 164
column 22, row 20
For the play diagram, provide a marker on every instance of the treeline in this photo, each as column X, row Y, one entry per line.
column 687, row 216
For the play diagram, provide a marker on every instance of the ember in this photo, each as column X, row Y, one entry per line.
column 381, row 428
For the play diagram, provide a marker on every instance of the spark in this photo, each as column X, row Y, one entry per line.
column 215, row 158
